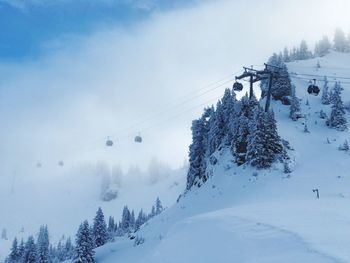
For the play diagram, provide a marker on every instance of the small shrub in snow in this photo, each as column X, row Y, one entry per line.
column 286, row 168
column 213, row 160
column 323, row 115
column 347, row 105
column 318, row 65
column 138, row 241
column 306, row 129
column 344, row 147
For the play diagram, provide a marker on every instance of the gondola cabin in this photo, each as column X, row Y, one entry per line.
column 237, row 86
column 138, row 139
column 313, row 88
column 109, row 142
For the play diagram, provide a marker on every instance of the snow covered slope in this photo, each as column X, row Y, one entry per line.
column 240, row 215
column 63, row 199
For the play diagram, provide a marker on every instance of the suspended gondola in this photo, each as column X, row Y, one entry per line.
column 237, row 86
column 109, row 142
column 138, row 138
column 313, row 89
column 60, row 163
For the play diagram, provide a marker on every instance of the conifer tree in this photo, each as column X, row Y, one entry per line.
column 153, row 211
column 304, row 52
column 21, row 249
column 14, row 255
column 132, row 220
column 99, row 229
column 340, row 42
column 228, row 111
column 264, row 144
column 202, row 141
column 84, row 252
column 337, row 118
column 30, row 251
column 159, row 206
column 125, row 223
column 60, row 252
column 111, row 224
column 281, row 87
column 43, row 245
column 239, row 143
column 141, row 219
column 257, row 152
column 69, row 249
column 216, row 127
column 323, row 47
column 111, row 229
column 286, row 57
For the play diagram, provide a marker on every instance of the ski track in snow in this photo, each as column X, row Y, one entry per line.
column 266, row 232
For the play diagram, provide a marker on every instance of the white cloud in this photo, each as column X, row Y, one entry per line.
column 63, row 106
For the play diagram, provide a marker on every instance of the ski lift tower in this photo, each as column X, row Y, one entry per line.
column 270, row 72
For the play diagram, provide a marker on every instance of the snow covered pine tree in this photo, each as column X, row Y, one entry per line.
column 43, row 245
column 337, row 118
column 84, row 252
column 99, row 229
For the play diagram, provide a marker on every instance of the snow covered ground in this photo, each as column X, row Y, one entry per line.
column 63, row 198
column 238, row 215
column 241, row 216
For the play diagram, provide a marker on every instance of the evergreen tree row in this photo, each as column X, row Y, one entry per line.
column 87, row 239
column 240, row 125
column 340, row 43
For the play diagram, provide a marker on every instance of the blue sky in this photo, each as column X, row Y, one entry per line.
column 28, row 25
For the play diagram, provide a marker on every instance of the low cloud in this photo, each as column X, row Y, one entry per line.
column 65, row 105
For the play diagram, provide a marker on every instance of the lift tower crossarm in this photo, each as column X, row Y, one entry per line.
column 258, row 75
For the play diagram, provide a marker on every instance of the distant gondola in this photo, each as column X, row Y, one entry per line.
column 109, row 142
column 138, row 139
column 60, row 163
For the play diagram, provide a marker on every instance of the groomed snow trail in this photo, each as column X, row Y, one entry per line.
column 239, row 239
column 195, row 239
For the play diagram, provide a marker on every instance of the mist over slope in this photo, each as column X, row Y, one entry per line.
column 62, row 197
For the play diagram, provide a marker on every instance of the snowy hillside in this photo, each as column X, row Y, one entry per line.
column 240, row 215
column 63, row 198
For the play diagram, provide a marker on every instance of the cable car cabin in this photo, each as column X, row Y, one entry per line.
column 138, row 139
column 60, row 163
column 38, row 165
column 109, row 143
column 237, row 86
column 313, row 89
